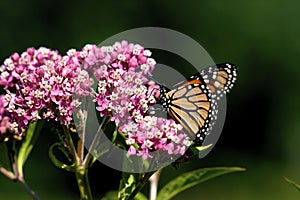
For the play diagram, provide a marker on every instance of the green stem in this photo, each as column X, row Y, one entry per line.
column 83, row 184
column 12, row 157
column 27, row 188
column 71, row 144
column 81, row 171
column 7, row 173
column 81, row 142
column 95, row 143
column 21, row 180
column 154, row 184
column 140, row 185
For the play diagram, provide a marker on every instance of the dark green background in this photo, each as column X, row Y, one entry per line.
column 262, row 129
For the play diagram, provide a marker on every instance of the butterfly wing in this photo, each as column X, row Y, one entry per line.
column 193, row 103
column 190, row 105
column 219, row 78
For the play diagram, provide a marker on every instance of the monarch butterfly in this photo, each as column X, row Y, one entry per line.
column 193, row 103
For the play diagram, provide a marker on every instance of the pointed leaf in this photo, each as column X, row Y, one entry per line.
column 28, row 143
column 201, row 148
column 140, row 196
column 296, row 185
column 127, row 185
column 113, row 195
column 190, row 179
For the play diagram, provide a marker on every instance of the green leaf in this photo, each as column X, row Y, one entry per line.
column 103, row 148
column 61, row 157
column 190, row 179
column 201, row 148
column 118, row 139
column 113, row 195
column 28, row 143
column 140, row 196
column 296, row 185
column 127, row 185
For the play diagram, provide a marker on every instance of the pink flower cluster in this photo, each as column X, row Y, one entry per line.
column 39, row 83
column 6, row 130
column 119, row 70
column 154, row 134
column 122, row 93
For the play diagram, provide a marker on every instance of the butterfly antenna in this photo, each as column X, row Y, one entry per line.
column 152, row 91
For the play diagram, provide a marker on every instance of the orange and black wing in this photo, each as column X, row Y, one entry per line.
column 193, row 103
column 219, row 78
column 190, row 105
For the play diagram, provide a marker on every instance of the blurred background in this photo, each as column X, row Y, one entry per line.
column 262, row 128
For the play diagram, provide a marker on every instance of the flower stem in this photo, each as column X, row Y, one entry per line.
column 81, row 142
column 7, row 173
column 27, row 188
column 140, row 185
column 17, row 173
column 81, row 171
column 154, row 184
column 83, row 184
column 95, row 142
column 21, row 180
column 71, row 144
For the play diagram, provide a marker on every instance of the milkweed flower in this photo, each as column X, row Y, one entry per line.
column 121, row 91
column 154, row 134
column 124, row 93
column 39, row 84
column 7, row 128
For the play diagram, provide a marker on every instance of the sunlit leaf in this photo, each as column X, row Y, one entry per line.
column 127, row 185
column 190, row 179
column 113, row 195
column 140, row 196
column 201, row 148
column 28, row 143
column 296, row 185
